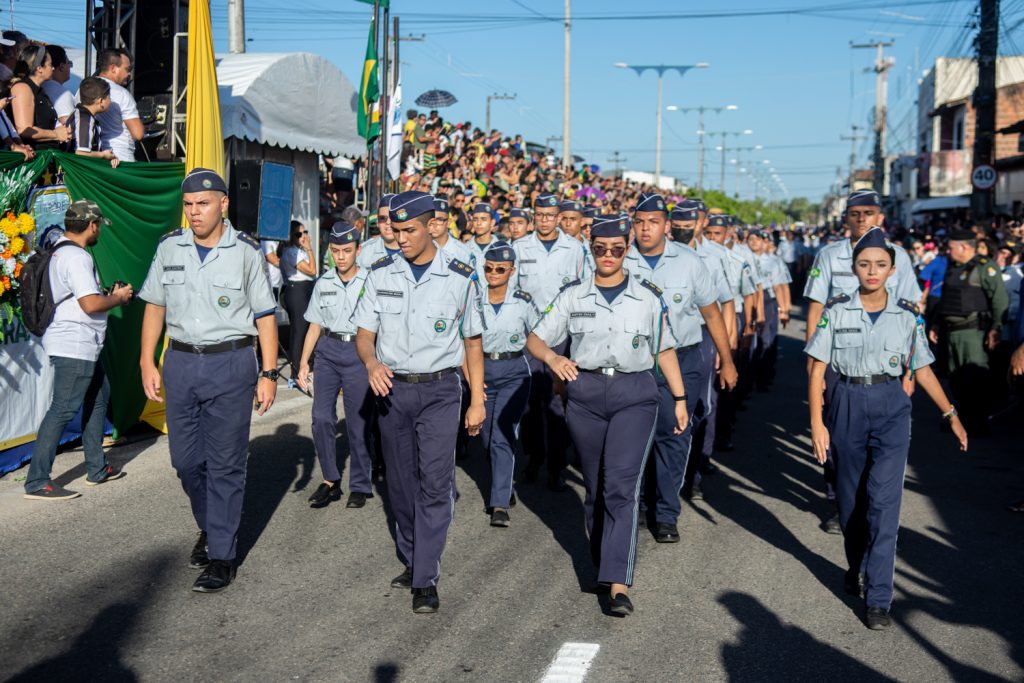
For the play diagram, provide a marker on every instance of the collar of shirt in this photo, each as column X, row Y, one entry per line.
column 438, row 268
column 855, row 304
column 227, row 240
column 635, row 257
column 589, row 289
column 560, row 242
column 332, row 277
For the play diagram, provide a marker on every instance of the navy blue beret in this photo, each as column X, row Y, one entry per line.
column 545, row 199
column 385, row 201
column 519, row 213
column 409, row 205
column 441, row 204
column 500, row 251
column 609, row 226
column 651, row 201
column 343, row 233
column 589, row 211
column 875, row 237
column 203, row 180
column 569, row 205
column 863, row 198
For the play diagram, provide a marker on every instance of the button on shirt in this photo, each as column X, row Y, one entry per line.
column 508, row 329
column 832, row 274
column 624, row 335
column 846, row 339
column 73, row 332
column 542, row 272
column 685, row 283
column 420, row 325
column 333, row 302
column 213, row 300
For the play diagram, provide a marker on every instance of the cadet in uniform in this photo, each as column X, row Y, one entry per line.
column 419, row 316
column 518, row 224
column 509, row 315
column 690, row 295
column 971, row 313
column 383, row 244
column 589, row 213
column 209, row 284
column 776, row 292
column 547, row 260
column 338, row 369
column 870, row 338
column 439, row 233
column 483, row 234
column 618, row 328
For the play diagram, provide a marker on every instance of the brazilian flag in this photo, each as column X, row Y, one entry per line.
column 368, row 116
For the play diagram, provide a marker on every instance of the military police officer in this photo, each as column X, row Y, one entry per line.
column 209, row 284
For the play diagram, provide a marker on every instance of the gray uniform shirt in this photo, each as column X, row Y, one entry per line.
column 715, row 258
column 458, row 250
column 542, row 273
column 741, row 277
column 214, row 300
column 372, row 251
column 420, row 325
column 508, row 329
column 774, row 271
column 685, row 283
column 334, row 301
column 846, row 339
column 832, row 274
column 624, row 335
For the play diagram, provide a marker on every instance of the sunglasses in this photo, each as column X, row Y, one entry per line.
column 500, row 270
column 300, row 233
column 600, row 250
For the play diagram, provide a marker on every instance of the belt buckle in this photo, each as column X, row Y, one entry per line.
column 412, row 378
column 196, row 349
column 494, row 356
column 607, row 372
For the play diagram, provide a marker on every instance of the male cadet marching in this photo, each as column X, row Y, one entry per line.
column 589, row 213
column 518, row 223
column 689, row 293
column 419, row 317
column 383, row 244
column 971, row 313
column 547, row 259
column 482, row 217
column 509, row 315
column 832, row 274
column 570, row 222
column 439, row 233
column 209, row 284
column 338, row 369
column 776, row 305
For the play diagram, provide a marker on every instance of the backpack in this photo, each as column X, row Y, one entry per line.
column 34, row 292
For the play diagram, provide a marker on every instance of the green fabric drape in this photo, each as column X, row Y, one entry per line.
column 143, row 201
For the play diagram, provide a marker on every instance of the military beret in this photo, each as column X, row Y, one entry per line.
column 482, row 207
column 343, row 233
column 519, row 213
column 409, row 205
column 863, row 198
column 609, row 226
column 650, row 201
column 569, row 205
column 545, row 199
column 500, row 251
column 441, row 204
column 203, row 180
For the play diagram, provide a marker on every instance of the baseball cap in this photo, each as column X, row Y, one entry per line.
column 85, row 210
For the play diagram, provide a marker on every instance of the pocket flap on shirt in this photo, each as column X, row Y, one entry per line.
column 172, row 277
column 442, row 311
column 227, row 280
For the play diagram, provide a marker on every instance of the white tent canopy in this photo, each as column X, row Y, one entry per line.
column 298, row 100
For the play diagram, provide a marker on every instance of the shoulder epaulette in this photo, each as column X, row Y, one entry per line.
column 837, row 299
column 520, row 294
column 651, row 286
column 246, row 238
column 908, row 305
column 567, row 285
column 173, row 233
column 382, row 261
column 982, row 260
column 463, row 269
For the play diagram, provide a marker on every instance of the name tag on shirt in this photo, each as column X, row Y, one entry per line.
column 841, row 273
column 583, row 314
column 847, row 330
column 171, row 268
column 528, row 260
column 328, row 293
column 389, row 292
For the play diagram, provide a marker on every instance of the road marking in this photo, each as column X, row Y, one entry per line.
column 571, row 663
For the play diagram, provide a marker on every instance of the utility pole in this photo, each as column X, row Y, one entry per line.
column 881, row 69
column 701, row 133
column 506, row 96
column 236, row 26
column 617, row 159
column 566, row 147
column 724, row 135
column 385, row 102
column 983, row 201
column 854, row 139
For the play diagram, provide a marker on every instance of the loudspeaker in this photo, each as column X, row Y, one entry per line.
column 156, row 22
column 261, row 198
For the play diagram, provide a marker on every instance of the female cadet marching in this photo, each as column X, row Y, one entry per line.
column 332, row 335
column 871, row 339
column 618, row 328
column 509, row 315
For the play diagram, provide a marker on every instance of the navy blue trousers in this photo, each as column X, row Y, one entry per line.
column 208, row 403
column 419, row 425
column 870, row 439
column 612, row 422
column 337, row 368
column 829, row 468
column 546, row 437
column 767, row 349
column 700, row 384
column 508, row 390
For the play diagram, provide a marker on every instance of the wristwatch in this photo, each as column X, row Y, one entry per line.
column 949, row 416
column 272, row 375
column 679, row 399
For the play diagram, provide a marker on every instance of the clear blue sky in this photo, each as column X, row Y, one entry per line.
column 789, row 68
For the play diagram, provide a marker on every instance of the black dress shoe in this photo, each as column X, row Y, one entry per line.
column 696, row 492
column 378, row 475
column 403, row 580
column 512, row 500
column 355, row 500
column 620, row 604
column 853, row 584
column 666, row 533
column 425, row 600
column 878, row 619
column 216, row 577
column 500, row 518
column 832, row 525
column 324, row 494
column 199, row 559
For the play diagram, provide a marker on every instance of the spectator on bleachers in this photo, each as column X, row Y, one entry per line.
column 120, row 126
column 10, row 46
column 34, row 117
column 9, row 138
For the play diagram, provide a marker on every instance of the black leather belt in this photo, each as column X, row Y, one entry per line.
column 870, row 379
column 503, row 355
column 691, row 347
column 608, row 372
column 339, row 336
column 423, row 377
column 222, row 347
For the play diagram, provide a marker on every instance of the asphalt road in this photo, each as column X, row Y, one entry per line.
column 97, row 589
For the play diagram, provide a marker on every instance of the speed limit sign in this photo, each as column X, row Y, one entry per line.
column 984, row 177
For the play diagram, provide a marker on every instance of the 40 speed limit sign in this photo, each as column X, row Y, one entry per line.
column 984, row 177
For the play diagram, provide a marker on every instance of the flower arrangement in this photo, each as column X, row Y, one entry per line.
column 16, row 241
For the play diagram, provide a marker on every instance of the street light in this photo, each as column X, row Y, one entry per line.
column 660, row 69
column 700, row 133
column 739, row 154
column 725, row 134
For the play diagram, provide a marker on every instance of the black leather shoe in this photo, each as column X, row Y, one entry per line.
column 500, row 518
column 355, row 500
column 379, row 475
column 512, row 500
column 324, row 494
column 216, row 577
column 598, row 588
column 403, row 580
column 853, row 584
column 696, row 492
column 620, row 604
column 878, row 619
column 425, row 600
column 832, row 525
column 199, row 559
column 666, row 533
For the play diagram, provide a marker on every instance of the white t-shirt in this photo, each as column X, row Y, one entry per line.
column 113, row 133
column 273, row 272
column 62, row 99
column 290, row 258
column 73, row 332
